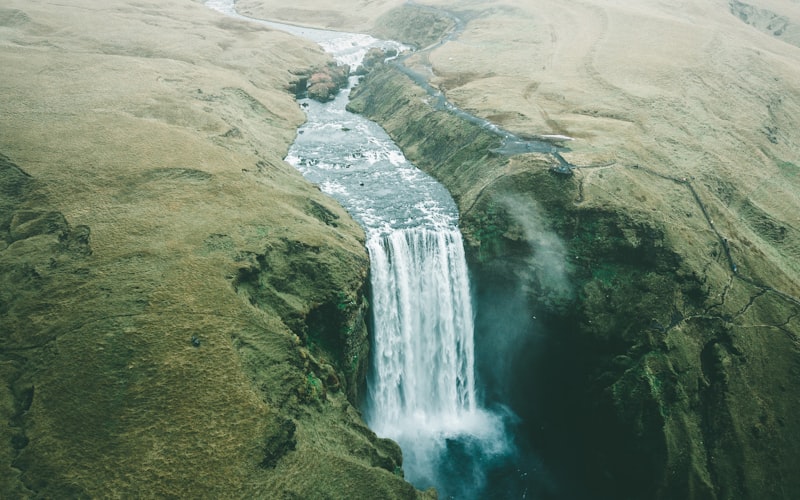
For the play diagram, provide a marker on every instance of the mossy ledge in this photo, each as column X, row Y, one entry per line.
column 632, row 369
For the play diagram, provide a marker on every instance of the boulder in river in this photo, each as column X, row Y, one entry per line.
column 324, row 83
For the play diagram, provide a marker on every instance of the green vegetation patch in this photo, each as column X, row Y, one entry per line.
column 413, row 24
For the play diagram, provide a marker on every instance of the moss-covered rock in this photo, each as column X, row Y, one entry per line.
column 417, row 25
column 322, row 82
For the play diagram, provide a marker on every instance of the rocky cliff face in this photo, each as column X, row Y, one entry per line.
column 636, row 365
column 181, row 314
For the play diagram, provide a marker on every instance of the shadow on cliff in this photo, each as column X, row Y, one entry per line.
column 526, row 359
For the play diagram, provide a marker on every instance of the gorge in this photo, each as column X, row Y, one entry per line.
column 421, row 389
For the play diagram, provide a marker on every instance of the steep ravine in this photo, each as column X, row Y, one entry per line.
column 635, row 374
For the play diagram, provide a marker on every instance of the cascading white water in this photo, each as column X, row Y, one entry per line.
column 422, row 389
column 423, row 328
column 422, row 384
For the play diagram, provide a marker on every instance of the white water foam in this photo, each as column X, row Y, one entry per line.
column 422, row 389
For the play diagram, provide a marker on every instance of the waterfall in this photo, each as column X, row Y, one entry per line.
column 422, row 327
column 422, row 387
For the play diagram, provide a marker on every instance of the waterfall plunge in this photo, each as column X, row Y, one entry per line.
column 423, row 327
column 422, row 383
column 422, row 387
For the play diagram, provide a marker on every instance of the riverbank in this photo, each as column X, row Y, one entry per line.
column 666, row 279
column 149, row 227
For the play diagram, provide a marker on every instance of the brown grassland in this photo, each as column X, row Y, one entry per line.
column 157, row 259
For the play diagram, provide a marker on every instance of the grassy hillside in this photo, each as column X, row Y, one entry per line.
column 181, row 314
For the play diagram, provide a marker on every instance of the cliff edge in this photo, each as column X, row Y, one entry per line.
column 639, row 311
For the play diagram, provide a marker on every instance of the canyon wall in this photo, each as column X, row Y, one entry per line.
column 641, row 313
column 182, row 314
column 634, row 368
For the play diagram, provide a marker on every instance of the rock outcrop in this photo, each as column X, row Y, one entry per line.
column 374, row 57
column 321, row 83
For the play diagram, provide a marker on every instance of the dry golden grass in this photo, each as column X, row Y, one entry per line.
column 347, row 15
column 162, row 126
column 688, row 89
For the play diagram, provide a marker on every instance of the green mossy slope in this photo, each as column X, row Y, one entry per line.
column 181, row 314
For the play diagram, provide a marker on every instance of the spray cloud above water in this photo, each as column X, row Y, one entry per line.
column 547, row 264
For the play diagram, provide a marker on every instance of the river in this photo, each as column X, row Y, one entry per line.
column 421, row 388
